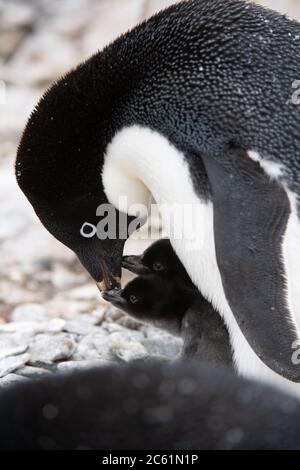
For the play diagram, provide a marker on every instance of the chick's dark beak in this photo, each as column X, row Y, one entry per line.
column 114, row 296
column 135, row 265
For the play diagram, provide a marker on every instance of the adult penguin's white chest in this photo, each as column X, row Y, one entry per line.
column 139, row 163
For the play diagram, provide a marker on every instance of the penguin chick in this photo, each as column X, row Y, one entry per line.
column 205, row 335
column 160, row 259
column 203, row 331
column 153, row 300
column 180, row 311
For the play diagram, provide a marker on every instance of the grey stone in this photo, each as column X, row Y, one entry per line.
column 113, row 313
column 34, row 327
column 15, row 15
column 80, row 327
column 10, row 41
column 85, row 353
column 10, row 364
column 112, row 327
column 11, row 349
column 130, row 335
column 126, row 348
column 79, row 365
column 29, row 312
column 98, row 315
column 64, row 279
column 160, row 343
column 94, row 347
column 86, row 292
column 129, row 323
column 11, row 293
column 54, row 348
column 61, row 306
column 55, row 326
column 153, row 6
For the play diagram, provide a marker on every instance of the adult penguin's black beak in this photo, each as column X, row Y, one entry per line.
column 135, row 265
column 104, row 263
column 108, row 284
column 109, row 281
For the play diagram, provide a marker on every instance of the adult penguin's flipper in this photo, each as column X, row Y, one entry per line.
column 250, row 218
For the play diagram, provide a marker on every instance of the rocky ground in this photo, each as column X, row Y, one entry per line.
column 51, row 314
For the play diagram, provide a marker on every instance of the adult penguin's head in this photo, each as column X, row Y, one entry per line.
column 60, row 160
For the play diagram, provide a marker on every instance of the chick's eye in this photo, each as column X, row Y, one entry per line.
column 158, row 266
column 133, row 299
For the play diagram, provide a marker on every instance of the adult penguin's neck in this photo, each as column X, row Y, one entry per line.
column 141, row 162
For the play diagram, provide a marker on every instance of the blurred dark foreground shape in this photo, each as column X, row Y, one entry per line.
column 148, row 407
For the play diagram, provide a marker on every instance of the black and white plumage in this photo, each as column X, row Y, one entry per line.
column 179, row 311
column 164, row 296
column 194, row 107
column 161, row 260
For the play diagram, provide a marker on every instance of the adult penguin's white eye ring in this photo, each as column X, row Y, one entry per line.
column 158, row 267
column 88, row 230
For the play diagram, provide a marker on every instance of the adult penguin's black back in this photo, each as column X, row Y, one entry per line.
column 196, row 107
column 147, row 407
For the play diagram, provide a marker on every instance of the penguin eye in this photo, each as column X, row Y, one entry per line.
column 157, row 266
column 133, row 299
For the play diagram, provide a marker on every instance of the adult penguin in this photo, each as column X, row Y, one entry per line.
column 194, row 107
column 147, row 406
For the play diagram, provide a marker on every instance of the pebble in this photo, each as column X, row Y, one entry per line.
column 94, row 347
column 29, row 312
column 126, row 348
column 7, row 350
column 34, row 327
column 113, row 313
column 129, row 334
column 160, row 343
column 51, row 349
column 98, row 316
column 127, row 322
column 63, row 279
column 11, row 294
column 80, row 327
column 79, row 365
column 11, row 224
column 112, row 327
column 17, row 15
column 62, row 307
column 86, row 292
column 10, row 364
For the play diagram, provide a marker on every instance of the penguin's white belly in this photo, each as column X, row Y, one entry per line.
column 140, row 161
column 291, row 258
